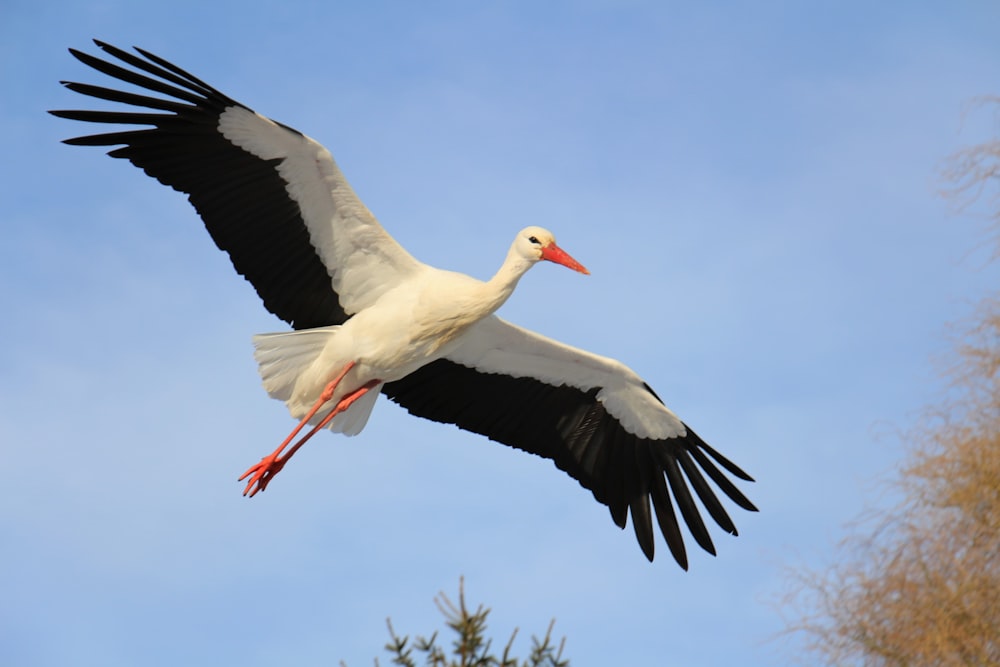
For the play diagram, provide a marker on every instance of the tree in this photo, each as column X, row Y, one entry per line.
column 470, row 648
column 923, row 586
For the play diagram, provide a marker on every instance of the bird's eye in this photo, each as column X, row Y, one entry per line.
column 534, row 239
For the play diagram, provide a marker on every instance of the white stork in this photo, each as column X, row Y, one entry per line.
column 368, row 318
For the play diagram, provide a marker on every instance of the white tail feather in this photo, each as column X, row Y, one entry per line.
column 284, row 357
column 283, row 360
column 354, row 419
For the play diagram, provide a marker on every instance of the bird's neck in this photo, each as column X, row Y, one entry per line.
column 499, row 288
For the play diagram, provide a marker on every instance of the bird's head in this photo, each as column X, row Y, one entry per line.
column 537, row 244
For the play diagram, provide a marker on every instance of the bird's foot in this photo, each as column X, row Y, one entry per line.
column 262, row 473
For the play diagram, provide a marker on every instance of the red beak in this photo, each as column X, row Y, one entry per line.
column 554, row 253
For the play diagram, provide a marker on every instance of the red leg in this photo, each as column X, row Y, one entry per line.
column 270, row 465
column 262, row 479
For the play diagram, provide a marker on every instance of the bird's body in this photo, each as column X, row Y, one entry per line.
column 368, row 318
column 428, row 317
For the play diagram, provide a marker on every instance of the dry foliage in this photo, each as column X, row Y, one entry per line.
column 923, row 587
column 973, row 175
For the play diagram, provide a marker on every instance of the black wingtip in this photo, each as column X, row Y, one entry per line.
column 642, row 524
column 719, row 458
column 619, row 514
column 665, row 517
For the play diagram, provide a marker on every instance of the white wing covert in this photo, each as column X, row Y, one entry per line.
column 497, row 346
column 362, row 259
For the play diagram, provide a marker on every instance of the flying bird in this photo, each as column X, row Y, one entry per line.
column 368, row 318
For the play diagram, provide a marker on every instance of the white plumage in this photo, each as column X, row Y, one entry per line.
column 370, row 319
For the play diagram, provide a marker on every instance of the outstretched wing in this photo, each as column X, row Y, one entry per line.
column 592, row 416
column 271, row 197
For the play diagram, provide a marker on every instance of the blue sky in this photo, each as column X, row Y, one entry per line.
column 752, row 185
